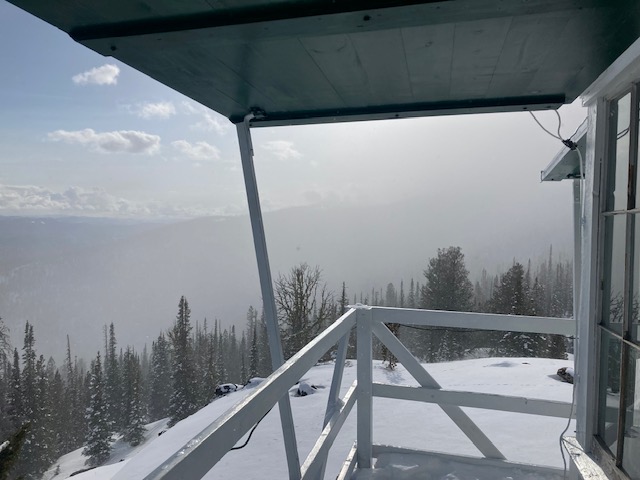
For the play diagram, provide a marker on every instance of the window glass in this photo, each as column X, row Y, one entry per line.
column 613, row 294
column 634, row 320
column 609, row 404
column 631, row 455
column 618, row 174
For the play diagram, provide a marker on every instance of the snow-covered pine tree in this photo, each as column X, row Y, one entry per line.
column 244, row 373
column 161, row 387
column 15, row 390
column 29, row 403
column 232, row 354
column 98, row 441
column 209, row 380
column 411, row 297
column 253, row 349
column 44, row 451
column 184, row 400
column 447, row 287
column 133, row 412
column 510, row 297
column 113, row 382
column 59, row 411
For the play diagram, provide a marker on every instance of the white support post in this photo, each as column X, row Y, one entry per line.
column 577, row 242
column 266, row 286
column 586, row 364
column 365, row 388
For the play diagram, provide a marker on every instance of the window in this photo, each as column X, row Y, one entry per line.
column 618, row 426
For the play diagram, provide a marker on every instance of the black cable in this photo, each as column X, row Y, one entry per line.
column 250, row 433
column 622, row 133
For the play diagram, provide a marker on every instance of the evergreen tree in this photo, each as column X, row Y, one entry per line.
column 411, row 298
column 75, row 395
column 29, row 399
column 10, row 453
column 244, row 373
column 253, row 351
column 511, row 297
column 15, row 391
column 98, row 441
column 447, row 287
column 113, row 383
column 210, row 380
column 220, row 364
column 184, row 400
column 133, row 413
column 160, row 379
column 58, row 410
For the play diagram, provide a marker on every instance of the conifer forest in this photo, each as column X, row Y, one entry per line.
column 47, row 410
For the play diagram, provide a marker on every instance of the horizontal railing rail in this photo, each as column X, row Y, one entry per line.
column 203, row 451
column 474, row 321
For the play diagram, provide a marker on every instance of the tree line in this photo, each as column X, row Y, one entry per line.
column 52, row 410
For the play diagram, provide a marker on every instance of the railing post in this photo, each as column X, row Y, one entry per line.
column 266, row 286
column 365, row 387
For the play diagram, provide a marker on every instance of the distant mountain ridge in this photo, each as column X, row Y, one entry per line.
column 74, row 275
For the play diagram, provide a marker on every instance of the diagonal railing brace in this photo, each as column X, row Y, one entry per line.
column 461, row 419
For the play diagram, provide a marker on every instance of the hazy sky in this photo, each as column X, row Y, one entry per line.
column 87, row 135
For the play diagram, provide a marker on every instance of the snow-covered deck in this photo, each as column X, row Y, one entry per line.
column 392, row 463
column 478, row 413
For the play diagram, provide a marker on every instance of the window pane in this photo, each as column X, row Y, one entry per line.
column 612, row 296
column 618, row 173
column 634, row 321
column 631, row 455
column 609, row 390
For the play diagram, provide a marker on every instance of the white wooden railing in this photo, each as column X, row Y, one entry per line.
column 203, row 451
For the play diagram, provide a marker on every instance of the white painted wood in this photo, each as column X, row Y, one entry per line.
column 365, row 380
column 334, row 402
column 313, row 467
column 479, row 461
column 586, row 364
column 204, row 450
column 268, row 298
column 349, row 465
column 587, row 467
column 476, row 321
column 577, row 243
column 461, row 419
column 487, row 401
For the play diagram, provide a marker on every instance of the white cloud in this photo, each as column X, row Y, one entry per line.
column 94, row 201
column 160, row 110
column 31, row 199
column 281, row 149
column 119, row 141
column 210, row 121
column 198, row 150
column 104, row 75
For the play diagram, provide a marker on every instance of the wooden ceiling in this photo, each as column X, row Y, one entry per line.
column 333, row 60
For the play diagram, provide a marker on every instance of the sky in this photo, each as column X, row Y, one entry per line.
column 81, row 134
